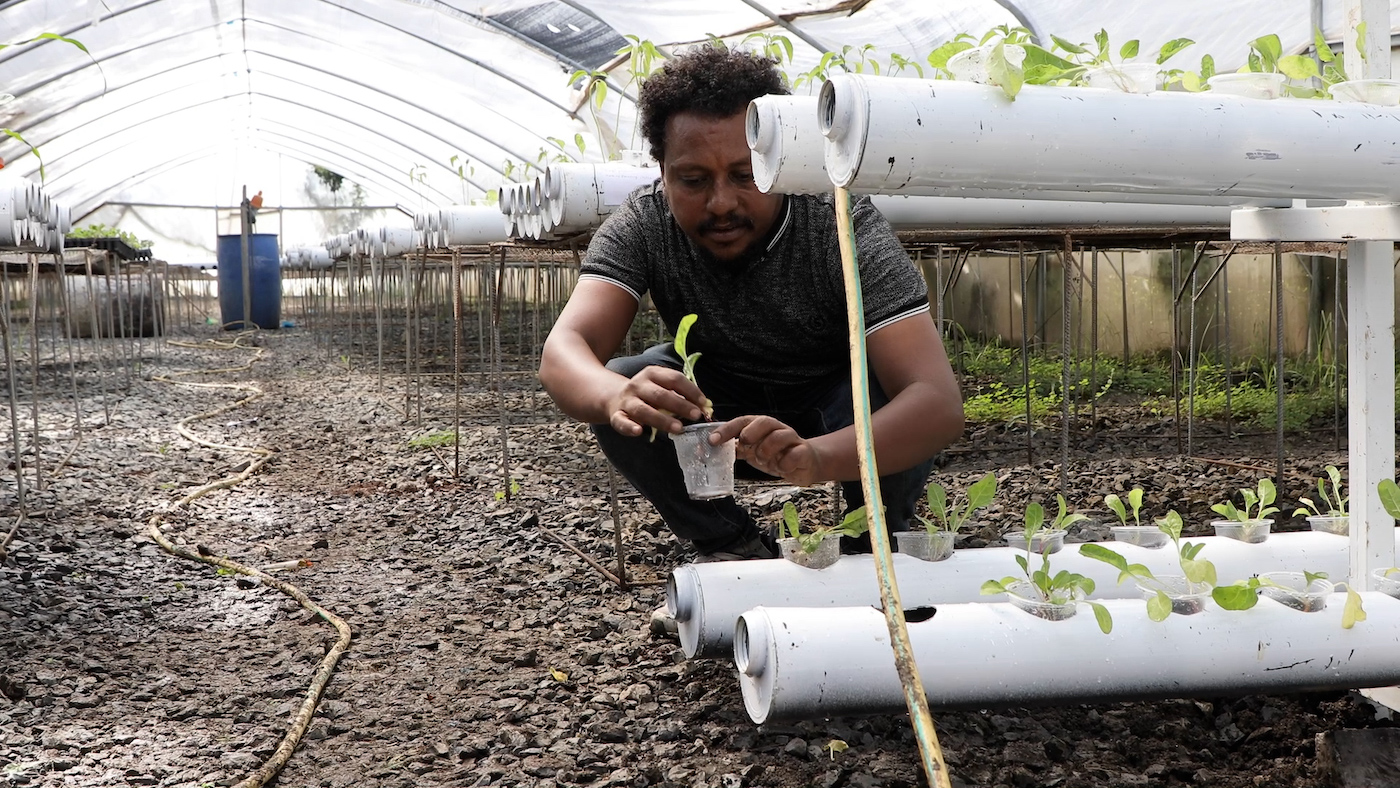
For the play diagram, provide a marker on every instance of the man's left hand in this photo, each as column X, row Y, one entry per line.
column 772, row 447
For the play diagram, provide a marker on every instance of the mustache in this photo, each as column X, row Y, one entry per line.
column 727, row 222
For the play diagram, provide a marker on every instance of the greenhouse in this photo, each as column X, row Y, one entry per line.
column 845, row 393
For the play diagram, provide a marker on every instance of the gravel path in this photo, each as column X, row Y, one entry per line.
column 485, row 653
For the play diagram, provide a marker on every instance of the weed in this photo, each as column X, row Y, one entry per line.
column 433, row 439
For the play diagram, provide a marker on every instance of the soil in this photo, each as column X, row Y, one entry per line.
column 484, row 651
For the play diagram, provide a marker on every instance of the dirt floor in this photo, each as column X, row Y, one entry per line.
column 485, row 652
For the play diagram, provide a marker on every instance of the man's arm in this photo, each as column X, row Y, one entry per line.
column 589, row 330
column 923, row 416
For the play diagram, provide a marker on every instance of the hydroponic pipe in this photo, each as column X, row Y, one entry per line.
column 472, row 224
column 787, row 145
column 706, row 599
column 798, row 663
column 906, row 136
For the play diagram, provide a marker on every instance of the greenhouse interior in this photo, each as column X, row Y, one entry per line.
column 840, row 393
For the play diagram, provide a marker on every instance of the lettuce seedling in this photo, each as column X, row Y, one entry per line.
column 1336, row 503
column 979, row 495
column 853, row 524
column 1197, row 571
column 1257, row 503
column 687, row 364
column 1115, row 503
column 1058, row 588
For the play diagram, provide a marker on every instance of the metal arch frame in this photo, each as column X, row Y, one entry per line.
column 281, row 142
column 133, row 105
column 786, row 25
column 80, row 209
column 380, row 177
column 447, row 10
column 39, row 120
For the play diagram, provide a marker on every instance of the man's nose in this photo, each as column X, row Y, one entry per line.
column 724, row 198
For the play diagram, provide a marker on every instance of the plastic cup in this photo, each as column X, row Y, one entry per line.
column 708, row 470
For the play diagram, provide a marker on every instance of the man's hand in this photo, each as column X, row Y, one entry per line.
column 772, row 447
column 654, row 398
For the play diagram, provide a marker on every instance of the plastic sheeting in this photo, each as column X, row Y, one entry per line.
column 421, row 103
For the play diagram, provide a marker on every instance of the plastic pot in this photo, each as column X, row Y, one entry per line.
column 1124, row 77
column 1382, row 92
column 826, row 554
column 1043, row 542
column 1026, row 596
column 1187, row 598
column 1295, row 591
column 1249, row 84
column 1149, row 536
column 1249, row 531
column 1332, row 525
column 708, row 470
column 925, row 545
column 1387, row 581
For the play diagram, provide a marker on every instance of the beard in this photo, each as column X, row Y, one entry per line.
column 739, row 262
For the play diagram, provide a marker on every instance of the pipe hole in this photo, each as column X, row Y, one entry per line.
column 749, row 655
column 826, row 109
column 918, row 615
column 751, row 125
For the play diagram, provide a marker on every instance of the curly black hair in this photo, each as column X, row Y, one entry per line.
column 709, row 80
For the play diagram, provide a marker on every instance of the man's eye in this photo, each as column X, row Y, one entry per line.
column 743, row 177
column 692, row 180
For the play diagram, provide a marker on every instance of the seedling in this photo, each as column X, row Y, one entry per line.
column 1336, row 503
column 433, row 439
column 853, row 524
column 1115, row 503
column 687, row 363
column 1244, row 594
column 1390, row 497
column 979, row 495
column 1197, row 571
column 1060, row 588
column 1257, row 504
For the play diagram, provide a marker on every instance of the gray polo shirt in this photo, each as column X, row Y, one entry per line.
column 782, row 318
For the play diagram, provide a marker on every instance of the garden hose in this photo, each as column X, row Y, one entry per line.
column 932, row 755
column 302, row 719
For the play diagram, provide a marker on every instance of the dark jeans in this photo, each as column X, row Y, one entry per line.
column 811, row 410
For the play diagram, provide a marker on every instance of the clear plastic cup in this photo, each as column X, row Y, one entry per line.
column 709, row 470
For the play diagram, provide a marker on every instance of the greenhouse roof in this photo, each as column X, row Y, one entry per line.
column 183, row 102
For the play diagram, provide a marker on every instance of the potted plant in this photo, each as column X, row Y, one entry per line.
column 1149, row 536
column 1331, row 517
column 1306, row 591
column 934, row 542
column 708, row 470
column 1261, row 77
column 1183, row 594
column 1051, row 596
column 1043, row 540
column 1097, row 69
column 998, row 59
column 813, row 549
column 1387, row 579
column 1252, row 523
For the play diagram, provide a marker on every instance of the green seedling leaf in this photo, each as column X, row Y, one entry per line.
column 938, row 502
column 1198, row 571
column 1309, row 577
column 1115, row 504
column 1129, row 50
column 1102, row 616
column 1159, row 607
column 938, row 58
column 1361, row 41
column 1171, row 525
column 1035, row 518
column 834, row 746
column 854, row 523
column 1007, row 75
column 991, row 587
column 1324, row 52
column 1269, row 50
column 981, row 493
column 1236, row 596
column 1100, row 553
column 1073, row 49
column 1298, row 67
column 1228, row 511
column 790, row 520
column 1390, row 497
column 1352, row 611
column 1171, row 48
column 1135, row 501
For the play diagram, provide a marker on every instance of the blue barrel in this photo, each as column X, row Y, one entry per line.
column 265, row 281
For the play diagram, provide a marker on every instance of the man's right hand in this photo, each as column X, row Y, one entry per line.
column 655, row 397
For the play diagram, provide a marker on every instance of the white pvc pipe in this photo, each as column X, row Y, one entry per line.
column 944, row 213
column 911, row 136
column 706, row 599
column 800, row 663
column 787, row 145
column 473, row 224
column 398, row 241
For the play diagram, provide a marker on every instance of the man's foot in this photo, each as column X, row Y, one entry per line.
column 663, row 624
column 757, row 546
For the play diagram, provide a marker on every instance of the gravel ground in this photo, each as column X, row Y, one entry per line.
column 485, row 652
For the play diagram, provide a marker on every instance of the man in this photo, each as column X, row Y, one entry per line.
column 763, row 273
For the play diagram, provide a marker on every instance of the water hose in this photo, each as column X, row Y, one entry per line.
column 302, row 719
column 929, row 752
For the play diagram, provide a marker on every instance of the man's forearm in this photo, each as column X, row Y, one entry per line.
column 577, row 382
